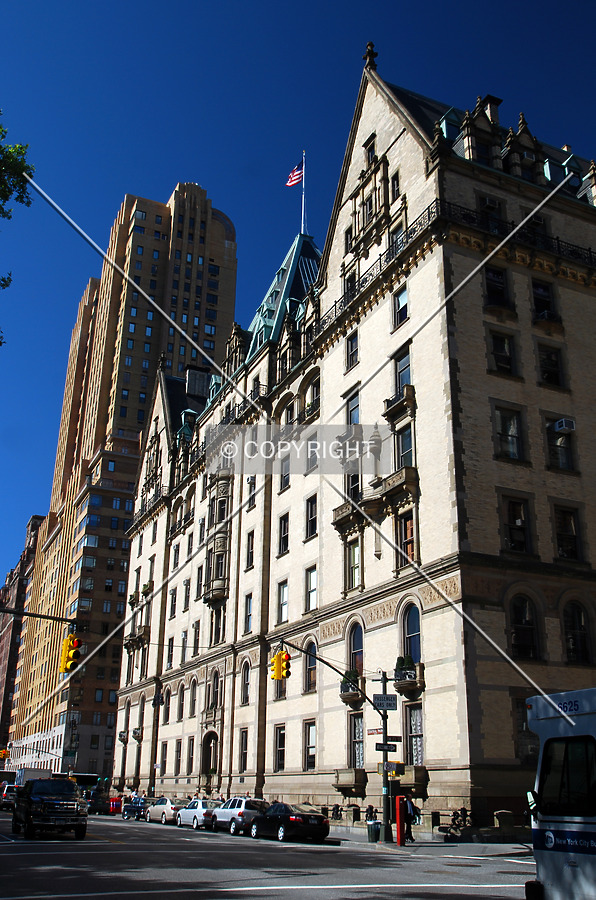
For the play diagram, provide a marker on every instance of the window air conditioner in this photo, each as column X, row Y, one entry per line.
column 490, row 203
column 529, row 154
column 564, row 426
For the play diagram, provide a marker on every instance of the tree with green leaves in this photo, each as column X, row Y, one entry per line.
column 13, row 185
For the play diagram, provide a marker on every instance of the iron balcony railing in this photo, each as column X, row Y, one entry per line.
column 482, row 220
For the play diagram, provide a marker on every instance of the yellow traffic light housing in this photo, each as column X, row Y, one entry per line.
column 69, row 659
column 64, row 654
column 285, row 664
column 275, row 666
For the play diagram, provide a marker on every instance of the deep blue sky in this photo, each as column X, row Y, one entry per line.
column 118, row 98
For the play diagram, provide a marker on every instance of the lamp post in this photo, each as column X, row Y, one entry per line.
column 156, row 703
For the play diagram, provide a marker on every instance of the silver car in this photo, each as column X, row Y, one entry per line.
column 237, row 813
column 164, row 810
column 198, row 813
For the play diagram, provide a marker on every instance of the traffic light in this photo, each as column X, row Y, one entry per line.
column 285, row 664
column 4, row 754
column 70, row 653
column 275, row 665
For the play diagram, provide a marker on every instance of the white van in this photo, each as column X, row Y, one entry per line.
column 563, row 803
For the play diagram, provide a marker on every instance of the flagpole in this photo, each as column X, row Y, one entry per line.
column 302, row 229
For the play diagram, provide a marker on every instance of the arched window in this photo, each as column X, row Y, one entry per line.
column 577, row 644
column 166, row 706
column 310, row 668
column 412, row 632
column 180, row 702
column 215, row 690
column 524, row 629
column 245, row 683
column 356, row 649
column 192, row 706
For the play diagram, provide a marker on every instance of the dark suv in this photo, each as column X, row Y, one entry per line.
column 49, row 804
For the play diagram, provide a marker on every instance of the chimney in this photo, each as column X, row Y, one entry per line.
column 197, row 382
column 491, row 105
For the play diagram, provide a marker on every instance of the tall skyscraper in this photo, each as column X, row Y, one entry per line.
column 183, row 255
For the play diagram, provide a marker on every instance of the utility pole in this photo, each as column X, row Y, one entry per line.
column 386, row 823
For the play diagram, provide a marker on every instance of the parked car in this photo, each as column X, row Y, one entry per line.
column 198, row 813
column 164, row 810
column 7, row 796
column 288, row 820
column 237, row 813
column 136, row 809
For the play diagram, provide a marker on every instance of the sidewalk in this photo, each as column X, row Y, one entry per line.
column 358, row 834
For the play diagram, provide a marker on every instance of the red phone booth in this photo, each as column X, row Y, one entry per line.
column 400, row 821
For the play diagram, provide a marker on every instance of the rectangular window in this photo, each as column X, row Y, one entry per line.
column 502, row 353
column 348, row 239
column 282, row 602
column 542, row 296
column 284, row 534
column 566, row 529
column 394, row 186
column 496, row 286
column 310, row 744
column 403, row 448
column 170, row 653
column 284, row 475
column 509, row 440
column 356, row 743
column 190, row 755
column 559, row 446
column 351, row 350
column 164, row 757
column 279, row 758
column 353, row 409
column 567, row 777
column 311, row 588
column 196, row 631
column 414, row 735
column 173, row 595
column 353, row 564
column 516, row 525
column 400, row 307
column 250, row 549
column 367, row 210
column 247, row 613
column 405, row 524
column 243, row 750
column 402, row 372
column 311, row 516
column 550, row 365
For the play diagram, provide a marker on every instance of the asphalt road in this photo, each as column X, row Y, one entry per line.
column 133, row 859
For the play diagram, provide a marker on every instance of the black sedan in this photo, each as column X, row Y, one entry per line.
column 136, row 809
column 291, row 820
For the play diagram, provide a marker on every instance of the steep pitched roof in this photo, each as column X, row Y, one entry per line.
column 290, row 285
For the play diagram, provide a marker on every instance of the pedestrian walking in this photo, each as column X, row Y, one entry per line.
column 410, row 814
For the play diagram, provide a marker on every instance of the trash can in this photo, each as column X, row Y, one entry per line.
column 374, row 831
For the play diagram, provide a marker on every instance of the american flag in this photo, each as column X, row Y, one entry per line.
column 295, row 176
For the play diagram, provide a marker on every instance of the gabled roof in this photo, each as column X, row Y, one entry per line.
column 422, row 109
column 288, row 289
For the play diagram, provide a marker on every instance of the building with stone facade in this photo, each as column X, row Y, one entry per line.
column 464, row 341
column 182, row 254
column 13, row 597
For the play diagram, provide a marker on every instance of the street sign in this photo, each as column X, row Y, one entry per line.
column 374, row 731
column 385, row 701
column 386, row 748
column 394, row 737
